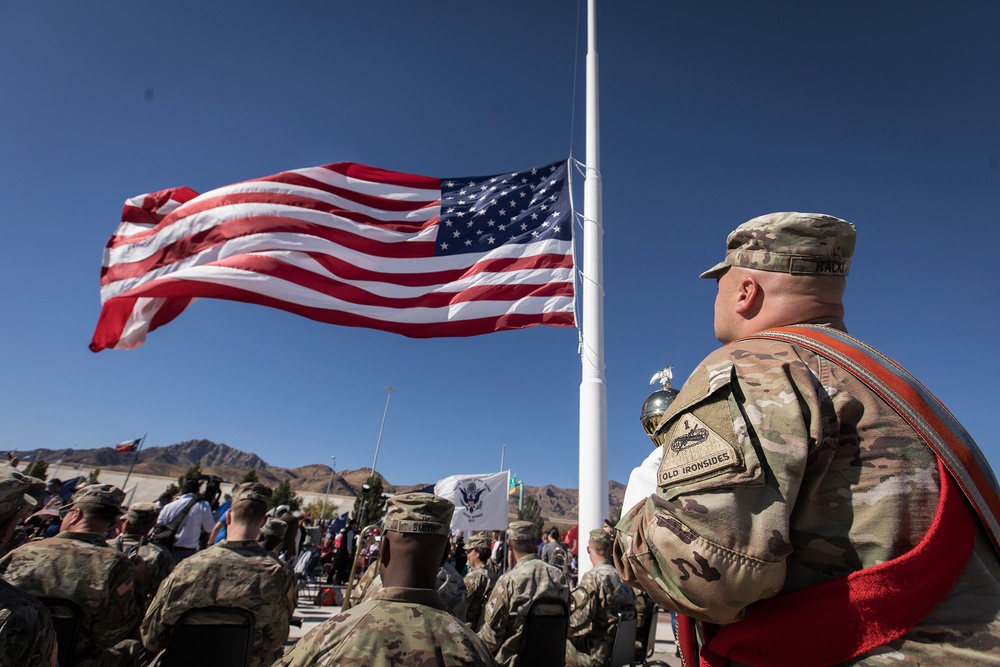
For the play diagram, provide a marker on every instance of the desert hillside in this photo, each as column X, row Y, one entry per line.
column 231, row 464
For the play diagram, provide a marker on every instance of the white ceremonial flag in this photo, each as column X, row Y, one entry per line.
column 480, row 500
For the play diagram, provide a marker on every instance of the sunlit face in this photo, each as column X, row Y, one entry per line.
column 68, row 516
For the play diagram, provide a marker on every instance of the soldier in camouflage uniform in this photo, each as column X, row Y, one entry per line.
column 776, row 470
column 156, row 561
column 78, row 566
column 451, row 588
column 479, row 580
column 27, row 637
column 594, row 606
column 272, row 536
column 528, row 580
column 404, row 624
column 236, row 572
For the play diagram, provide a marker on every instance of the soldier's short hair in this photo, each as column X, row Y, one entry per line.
column 248, row 511
column 99, row 512
column 600, row 542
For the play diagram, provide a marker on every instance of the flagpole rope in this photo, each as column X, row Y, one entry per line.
column 586, row 352
column 576, row 71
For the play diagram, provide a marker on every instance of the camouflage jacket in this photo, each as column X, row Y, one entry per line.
column 157, row 561
column 27, row 638
column 81, row 568
column 478, row 586
column 451, row 589
column 781, row 471
column 507, row 606
column 396, row 627
column 227, row 574
column 593, row 607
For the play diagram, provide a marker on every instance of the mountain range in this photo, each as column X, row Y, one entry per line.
column 232, row 464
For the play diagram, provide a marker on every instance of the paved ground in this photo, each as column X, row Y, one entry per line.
column 312, row 616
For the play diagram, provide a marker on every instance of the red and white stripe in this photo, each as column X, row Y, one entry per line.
column 342, row 243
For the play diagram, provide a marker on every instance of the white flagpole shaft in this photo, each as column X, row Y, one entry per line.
column 593, row 389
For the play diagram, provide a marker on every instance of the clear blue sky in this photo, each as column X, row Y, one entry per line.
column 884, row 113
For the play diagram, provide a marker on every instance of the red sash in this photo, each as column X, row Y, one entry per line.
column 877, row 605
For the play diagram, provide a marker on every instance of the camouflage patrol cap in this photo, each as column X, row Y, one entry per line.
column 142, row 514
column 419, row 513
column 106, row 495
column 478, row 540
column 797, row 243
column 521, row 530
column 252, row 491
column 14, row 487
column 601, row 536
column 274, row 528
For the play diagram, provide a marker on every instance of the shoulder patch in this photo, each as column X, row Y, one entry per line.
column 694, row 450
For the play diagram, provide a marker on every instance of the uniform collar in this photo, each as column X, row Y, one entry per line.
column 425, row 596
column 90, row 538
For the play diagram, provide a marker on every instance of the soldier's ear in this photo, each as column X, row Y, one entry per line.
column 748, row 295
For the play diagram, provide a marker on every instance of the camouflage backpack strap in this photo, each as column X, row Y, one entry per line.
column 959, row 453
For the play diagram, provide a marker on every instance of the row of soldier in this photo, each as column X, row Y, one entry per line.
column 410, row 606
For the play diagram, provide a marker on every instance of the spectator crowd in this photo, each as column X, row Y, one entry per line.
column 416, row 591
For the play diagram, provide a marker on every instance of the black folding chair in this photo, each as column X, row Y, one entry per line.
column 623, row 646
column 216, row 636
column 543, row 638
column 67, row 617
column 648, row 633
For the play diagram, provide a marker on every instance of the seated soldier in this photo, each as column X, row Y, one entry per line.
column 236, row 572
column 78, row 566
column 528, row 580
column 272, row 536
column 451, row 588
column 595, row 603
column 156, row 561
column 27, row 637
column 406, row 623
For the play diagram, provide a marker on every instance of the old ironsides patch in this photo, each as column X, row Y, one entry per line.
column 694, row 450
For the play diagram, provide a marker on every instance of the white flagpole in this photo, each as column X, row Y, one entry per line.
column 593, row 389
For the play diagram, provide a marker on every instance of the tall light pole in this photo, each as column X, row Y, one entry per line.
column 322, row 512
column 388, row 394
column 385, row 411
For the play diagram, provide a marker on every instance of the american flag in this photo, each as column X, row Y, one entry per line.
column 352, row 245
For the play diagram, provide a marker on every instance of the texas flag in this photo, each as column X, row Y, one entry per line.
column 128, row 445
